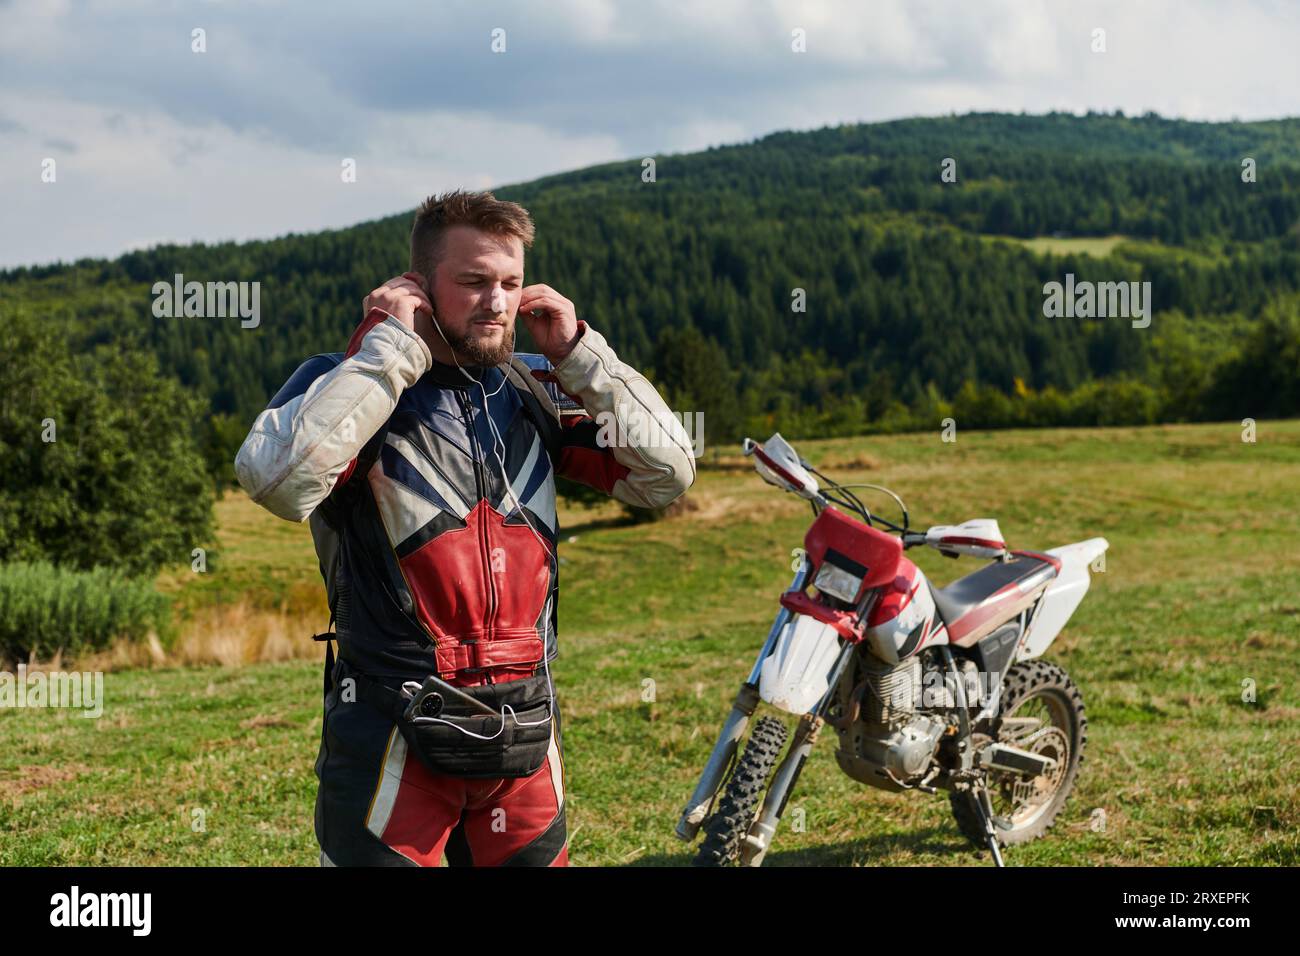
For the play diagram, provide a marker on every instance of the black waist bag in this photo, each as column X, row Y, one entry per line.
column 516, row 744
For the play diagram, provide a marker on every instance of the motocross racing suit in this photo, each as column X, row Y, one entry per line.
column 442, row 493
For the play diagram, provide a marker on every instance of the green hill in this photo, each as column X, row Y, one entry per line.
column 912, row 313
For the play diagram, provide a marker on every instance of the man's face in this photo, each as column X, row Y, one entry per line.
column 475, row 291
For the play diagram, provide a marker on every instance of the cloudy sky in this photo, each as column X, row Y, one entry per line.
column 152, row 141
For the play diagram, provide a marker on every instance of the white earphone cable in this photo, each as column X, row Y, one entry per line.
column 499, row 443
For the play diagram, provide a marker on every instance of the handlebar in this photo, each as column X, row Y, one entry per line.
column 833, row 493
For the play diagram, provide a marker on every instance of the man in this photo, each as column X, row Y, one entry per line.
column 429, row 459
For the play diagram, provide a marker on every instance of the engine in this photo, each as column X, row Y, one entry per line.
column 892, row 716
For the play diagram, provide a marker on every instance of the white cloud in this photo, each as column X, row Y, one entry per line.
column 246, row 140
column 148, row 175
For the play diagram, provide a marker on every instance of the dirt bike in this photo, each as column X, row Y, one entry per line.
column 927, row 688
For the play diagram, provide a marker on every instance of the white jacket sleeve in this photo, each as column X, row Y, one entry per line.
column 295, row 453
column 636, row 425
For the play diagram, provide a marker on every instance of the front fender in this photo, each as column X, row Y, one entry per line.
column 796, row 675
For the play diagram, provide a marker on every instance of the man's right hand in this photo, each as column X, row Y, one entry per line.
column 405, row 299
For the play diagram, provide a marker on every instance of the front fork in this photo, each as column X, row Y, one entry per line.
column 734, row 728
column 754, row 847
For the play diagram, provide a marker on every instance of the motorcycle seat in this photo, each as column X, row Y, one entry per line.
column 1023, row 572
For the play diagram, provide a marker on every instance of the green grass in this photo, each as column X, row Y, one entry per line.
column 1201, row 254
column 1198, row 595
column 263, row 561
column 1099, row 246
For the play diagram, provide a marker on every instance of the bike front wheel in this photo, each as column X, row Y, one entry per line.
column 741, row 798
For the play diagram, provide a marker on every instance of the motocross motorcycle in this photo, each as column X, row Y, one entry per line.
column 926, row 687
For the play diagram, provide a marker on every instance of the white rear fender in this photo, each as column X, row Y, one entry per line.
column 796, row 675
column 1062, row 596
column 1087, row 551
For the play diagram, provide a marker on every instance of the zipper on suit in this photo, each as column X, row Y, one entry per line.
column 485, row 551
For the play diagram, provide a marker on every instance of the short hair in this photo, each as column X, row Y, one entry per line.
column 482, row 210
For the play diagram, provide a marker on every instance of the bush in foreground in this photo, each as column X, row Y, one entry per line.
column 44, row 609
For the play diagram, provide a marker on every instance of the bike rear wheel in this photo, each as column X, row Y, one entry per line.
column 1041, row 711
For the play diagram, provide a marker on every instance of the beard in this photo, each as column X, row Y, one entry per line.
column 477, row 352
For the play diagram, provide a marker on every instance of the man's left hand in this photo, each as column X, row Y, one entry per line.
column 555, row 329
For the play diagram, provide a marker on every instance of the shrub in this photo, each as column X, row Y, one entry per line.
column 44, row 609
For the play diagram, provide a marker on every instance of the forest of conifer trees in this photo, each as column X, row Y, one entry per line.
column 825, row 282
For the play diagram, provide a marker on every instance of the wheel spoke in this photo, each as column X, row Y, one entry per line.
column 1034, row 726
column 1041, row 713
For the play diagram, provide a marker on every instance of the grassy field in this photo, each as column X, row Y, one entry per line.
column 1200, row 254
column 1099, row 246
column 213, row 764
